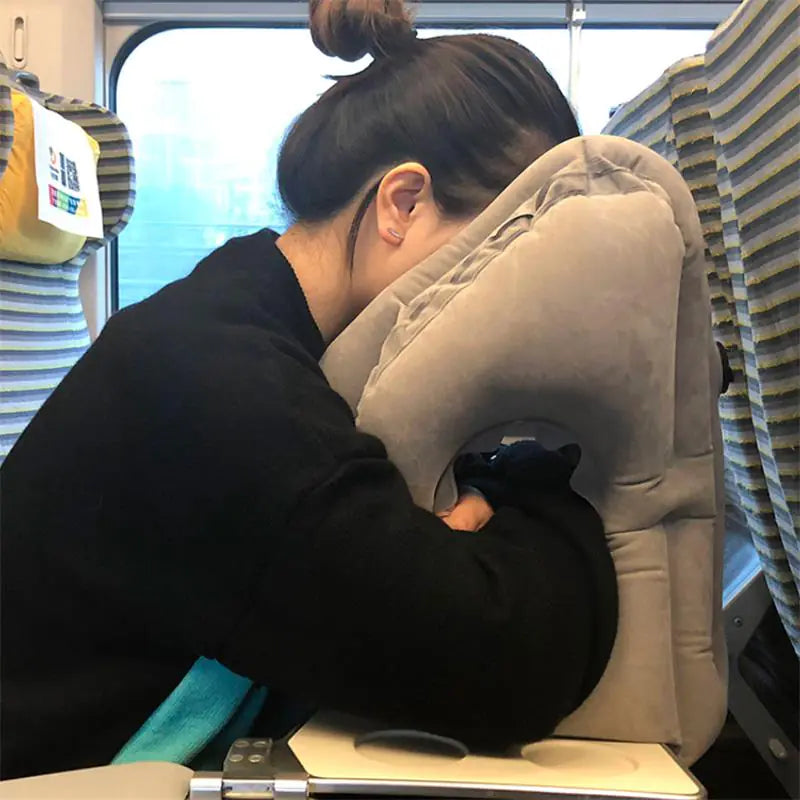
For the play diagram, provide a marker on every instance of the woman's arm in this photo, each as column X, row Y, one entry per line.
column 372, row 606
column 283, row 542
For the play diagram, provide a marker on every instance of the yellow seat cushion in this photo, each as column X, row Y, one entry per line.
column 23, row 236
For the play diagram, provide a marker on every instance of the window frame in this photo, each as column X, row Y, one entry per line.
column 646, row 13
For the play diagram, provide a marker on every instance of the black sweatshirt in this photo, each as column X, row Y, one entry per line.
column 195, row 487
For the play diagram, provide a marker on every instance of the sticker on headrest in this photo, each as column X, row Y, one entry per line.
column 66, row 175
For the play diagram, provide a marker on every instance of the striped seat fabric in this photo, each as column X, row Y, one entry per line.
column 43, row 330
column 729, row 121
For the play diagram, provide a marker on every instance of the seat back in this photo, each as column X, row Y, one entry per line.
column 575, row 309
column 753, row 81
column 44, row 330
column 730, row 122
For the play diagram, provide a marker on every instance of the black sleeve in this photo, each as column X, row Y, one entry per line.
column 372, row 606
column 194, row 487
column 315, row 573
column 217, row 500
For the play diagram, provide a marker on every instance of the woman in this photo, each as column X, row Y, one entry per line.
column 195, row 488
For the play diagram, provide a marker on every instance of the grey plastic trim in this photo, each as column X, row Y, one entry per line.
column 290, row 12
column 327, row 787
column 441, row 12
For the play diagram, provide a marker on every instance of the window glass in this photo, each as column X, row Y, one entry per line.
column 206, row 137
column 617, row 64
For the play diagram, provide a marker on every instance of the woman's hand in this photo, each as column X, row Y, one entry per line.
column 470, row 513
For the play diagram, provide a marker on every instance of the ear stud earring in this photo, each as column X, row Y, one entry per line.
column 393, row 232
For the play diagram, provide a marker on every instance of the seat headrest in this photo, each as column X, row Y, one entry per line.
column 115, row 164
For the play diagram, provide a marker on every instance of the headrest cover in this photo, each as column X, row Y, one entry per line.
column 115, row 160
column 573, row 309
column 23, row 236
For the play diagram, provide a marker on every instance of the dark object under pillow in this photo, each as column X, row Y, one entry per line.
column 505, row 476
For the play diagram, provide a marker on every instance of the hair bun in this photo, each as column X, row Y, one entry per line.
column 350, row 29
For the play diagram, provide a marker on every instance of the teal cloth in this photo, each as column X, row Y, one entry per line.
column 204, row 714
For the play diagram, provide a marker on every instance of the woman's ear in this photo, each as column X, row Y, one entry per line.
column 401, row 191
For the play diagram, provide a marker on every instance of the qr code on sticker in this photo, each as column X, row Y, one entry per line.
column 73, row 184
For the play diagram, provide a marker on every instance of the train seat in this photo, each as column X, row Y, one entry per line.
column 729, row 122
column 44, row 328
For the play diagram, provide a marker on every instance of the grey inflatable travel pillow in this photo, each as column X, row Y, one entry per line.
column 575, row 309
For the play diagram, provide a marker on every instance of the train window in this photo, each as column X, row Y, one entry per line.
column 618, row 63
column 206, row 138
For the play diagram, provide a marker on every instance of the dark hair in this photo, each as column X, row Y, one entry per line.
column 474, row 109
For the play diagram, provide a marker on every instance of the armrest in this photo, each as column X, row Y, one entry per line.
column 144, row 781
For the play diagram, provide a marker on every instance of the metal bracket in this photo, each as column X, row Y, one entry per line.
column 576, row 12
column 576, row 16
column 254, row 769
